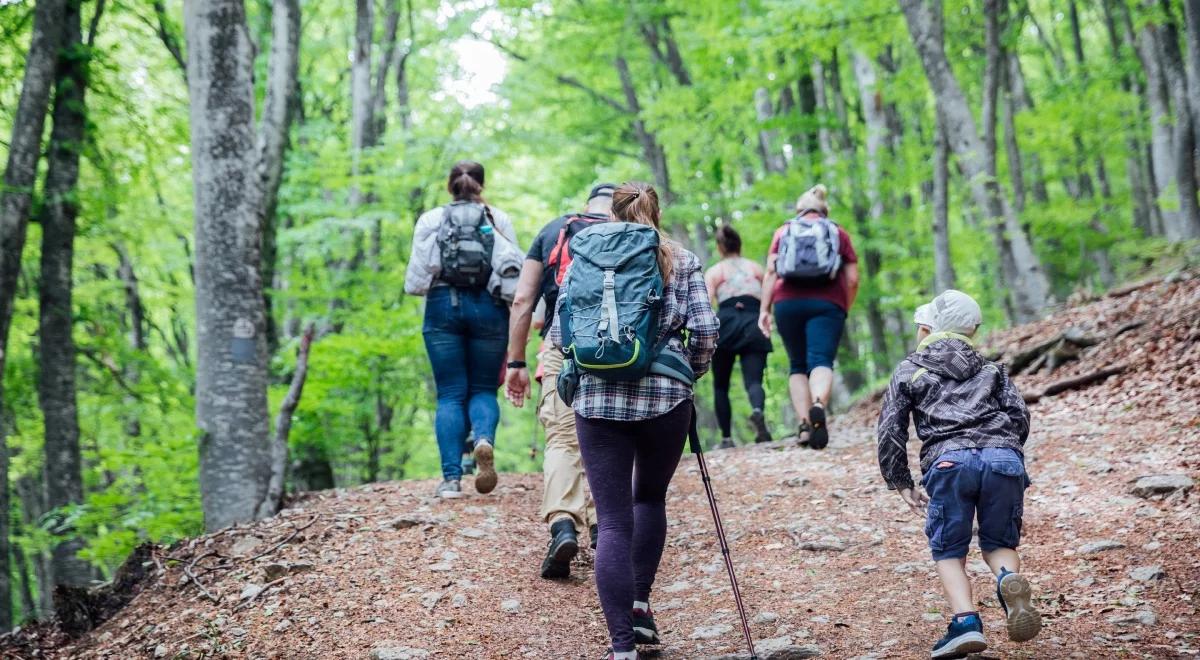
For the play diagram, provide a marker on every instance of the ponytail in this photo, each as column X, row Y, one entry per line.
column 636, row 201
column 466, row 182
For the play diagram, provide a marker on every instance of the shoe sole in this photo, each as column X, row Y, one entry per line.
column 450, row 495
column 645, row 636
column 818, row 438
column 556, row 570
column 1024, row 622
column 485, row 477
column 961, row 646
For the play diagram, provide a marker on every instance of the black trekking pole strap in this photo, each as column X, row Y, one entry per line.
column 694, row 440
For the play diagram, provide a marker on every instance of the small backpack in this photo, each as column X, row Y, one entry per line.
column 612, row 301
column 809, row 252
column 466, row 239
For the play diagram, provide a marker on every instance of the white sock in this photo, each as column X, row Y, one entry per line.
column 641, row 605
column 624, row 655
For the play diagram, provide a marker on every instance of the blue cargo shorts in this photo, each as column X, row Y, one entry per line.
column 965, row 483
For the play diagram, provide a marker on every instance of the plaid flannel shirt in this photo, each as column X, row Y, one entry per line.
column 686, row 306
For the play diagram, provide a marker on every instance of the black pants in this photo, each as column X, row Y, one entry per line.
column 753, row 365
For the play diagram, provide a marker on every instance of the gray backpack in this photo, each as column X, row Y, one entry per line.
column 809, row 252
column 466, row 238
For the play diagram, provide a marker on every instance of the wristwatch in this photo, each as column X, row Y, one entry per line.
column 517, row 364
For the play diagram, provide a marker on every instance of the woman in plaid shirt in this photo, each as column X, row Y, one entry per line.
column 631, row 436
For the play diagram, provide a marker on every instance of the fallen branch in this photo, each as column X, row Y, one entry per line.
column 289, row 537
column 187, row 571
column 1073, row 383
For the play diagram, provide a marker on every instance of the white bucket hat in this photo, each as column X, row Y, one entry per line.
column 955, row 311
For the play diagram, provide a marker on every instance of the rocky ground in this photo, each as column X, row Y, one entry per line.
column 830, row 562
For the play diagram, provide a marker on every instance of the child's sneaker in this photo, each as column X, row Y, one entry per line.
column 1016, row 597
column 644, row 629
column 964, row 635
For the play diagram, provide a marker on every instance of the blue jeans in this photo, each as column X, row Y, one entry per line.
column 466, row 336
column 810, row 330
column 965, row 483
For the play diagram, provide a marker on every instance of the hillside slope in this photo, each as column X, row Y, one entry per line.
column 829, row 560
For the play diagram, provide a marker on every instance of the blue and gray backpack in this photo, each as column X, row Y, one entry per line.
column 612, row 303
column 809, row 252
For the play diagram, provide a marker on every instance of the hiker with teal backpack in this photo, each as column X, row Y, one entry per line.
column 463, row 263
column 972, row 424
column 566, row 504
column 812, row 281
column 635, row 324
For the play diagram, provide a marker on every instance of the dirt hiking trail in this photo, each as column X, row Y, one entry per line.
column 830, row 561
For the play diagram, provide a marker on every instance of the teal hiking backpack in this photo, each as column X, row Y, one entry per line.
column 612, row 301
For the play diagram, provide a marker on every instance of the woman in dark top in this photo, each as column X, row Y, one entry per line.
column 735, row 284
column 810, row 319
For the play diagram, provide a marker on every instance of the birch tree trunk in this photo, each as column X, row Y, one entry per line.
column 1020, row 101
column 63, row 465
column 1191, row 10
column 231, row 371
column 1027, row 283
column 20, row 173
column 1138, row 162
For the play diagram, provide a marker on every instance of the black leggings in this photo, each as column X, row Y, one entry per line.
column 753, row 366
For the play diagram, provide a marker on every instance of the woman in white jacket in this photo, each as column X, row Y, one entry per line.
column 459, row 262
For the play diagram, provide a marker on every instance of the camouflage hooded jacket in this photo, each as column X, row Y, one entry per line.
column 957, row 399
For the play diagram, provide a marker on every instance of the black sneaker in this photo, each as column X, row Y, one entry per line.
column 819, row 437
column 726, row 443
column 1016, row 597
column 594, row 535
column 644, row 630
column 963, row 636
column 759, row 422
column 564, row 545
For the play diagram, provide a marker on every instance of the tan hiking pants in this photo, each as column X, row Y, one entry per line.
column 565, row 492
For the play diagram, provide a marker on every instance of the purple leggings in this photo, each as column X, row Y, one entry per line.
column 629, row 466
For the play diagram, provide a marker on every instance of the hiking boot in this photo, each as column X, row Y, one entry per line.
column 964, row 635
column 644, row 630
column 564, row 545
column 1016, row 598
column 485, row 480
column 594, row 535
column 450, row 489
column 759, row 422
column 726, row 443
column 819, row 437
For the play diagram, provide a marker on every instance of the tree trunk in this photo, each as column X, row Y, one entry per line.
column 1191, row 10
column 283, row 427
column 279, row 110
column 1020, row 100
column 1027, row 282
column 824, row 135
column 63, row 467
column 1137, row 165
column 773, row 161
column 652, row 151
column 943, row 271
column 1161, row 140
column 360, row 84
column 993, row 11
column 1187, row 222
column 231, row 372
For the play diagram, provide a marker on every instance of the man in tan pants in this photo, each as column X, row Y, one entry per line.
column 566, row 504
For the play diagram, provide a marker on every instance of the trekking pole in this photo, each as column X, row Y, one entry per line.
column 694, row 443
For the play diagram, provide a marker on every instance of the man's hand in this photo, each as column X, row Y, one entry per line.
column 516, row 386
column 916, row 500
column 764, row 323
